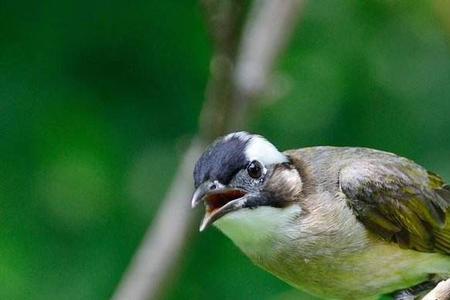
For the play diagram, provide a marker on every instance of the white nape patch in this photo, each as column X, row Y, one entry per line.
column 258, row 148
column 254, row 230
column 242, row 135
column 263, row 151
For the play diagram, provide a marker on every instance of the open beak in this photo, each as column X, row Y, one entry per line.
column 219, row 200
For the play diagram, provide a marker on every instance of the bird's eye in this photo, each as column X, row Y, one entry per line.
column 254, row 169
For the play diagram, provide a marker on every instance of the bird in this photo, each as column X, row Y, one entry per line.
column 335, row 222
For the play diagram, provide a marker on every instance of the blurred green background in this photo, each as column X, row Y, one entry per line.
column 99, row 99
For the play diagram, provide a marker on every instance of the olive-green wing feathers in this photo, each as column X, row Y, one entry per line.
column 399, row 201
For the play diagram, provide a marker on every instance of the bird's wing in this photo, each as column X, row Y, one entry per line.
column 399, row 201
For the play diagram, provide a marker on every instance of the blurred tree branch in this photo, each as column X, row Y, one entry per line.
column 243, row 60
column 441, row 9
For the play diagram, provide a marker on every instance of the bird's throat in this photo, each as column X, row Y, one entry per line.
column 253, row 230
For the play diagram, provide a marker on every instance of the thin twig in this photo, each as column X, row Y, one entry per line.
column 228, row 96
column 440, row 292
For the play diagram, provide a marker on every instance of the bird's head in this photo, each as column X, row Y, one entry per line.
column 243, row 172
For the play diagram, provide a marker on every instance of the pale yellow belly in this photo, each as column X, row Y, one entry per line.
column 380, row 269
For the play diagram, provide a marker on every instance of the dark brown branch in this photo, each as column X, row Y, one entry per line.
column 224, row 20
column 229, row 93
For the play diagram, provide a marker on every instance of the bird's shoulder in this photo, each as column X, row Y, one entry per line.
column 321, row 165
column 325, row 153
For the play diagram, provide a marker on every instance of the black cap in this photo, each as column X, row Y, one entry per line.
column 223, row 159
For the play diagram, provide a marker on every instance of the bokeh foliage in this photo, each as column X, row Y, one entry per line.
column 99, row 99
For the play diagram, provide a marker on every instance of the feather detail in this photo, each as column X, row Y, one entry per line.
column 400, row 201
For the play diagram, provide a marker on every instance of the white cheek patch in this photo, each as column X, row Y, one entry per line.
column 291, row 181
column 258, row 148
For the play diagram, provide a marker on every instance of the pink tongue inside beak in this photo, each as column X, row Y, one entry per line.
column 216, row 201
